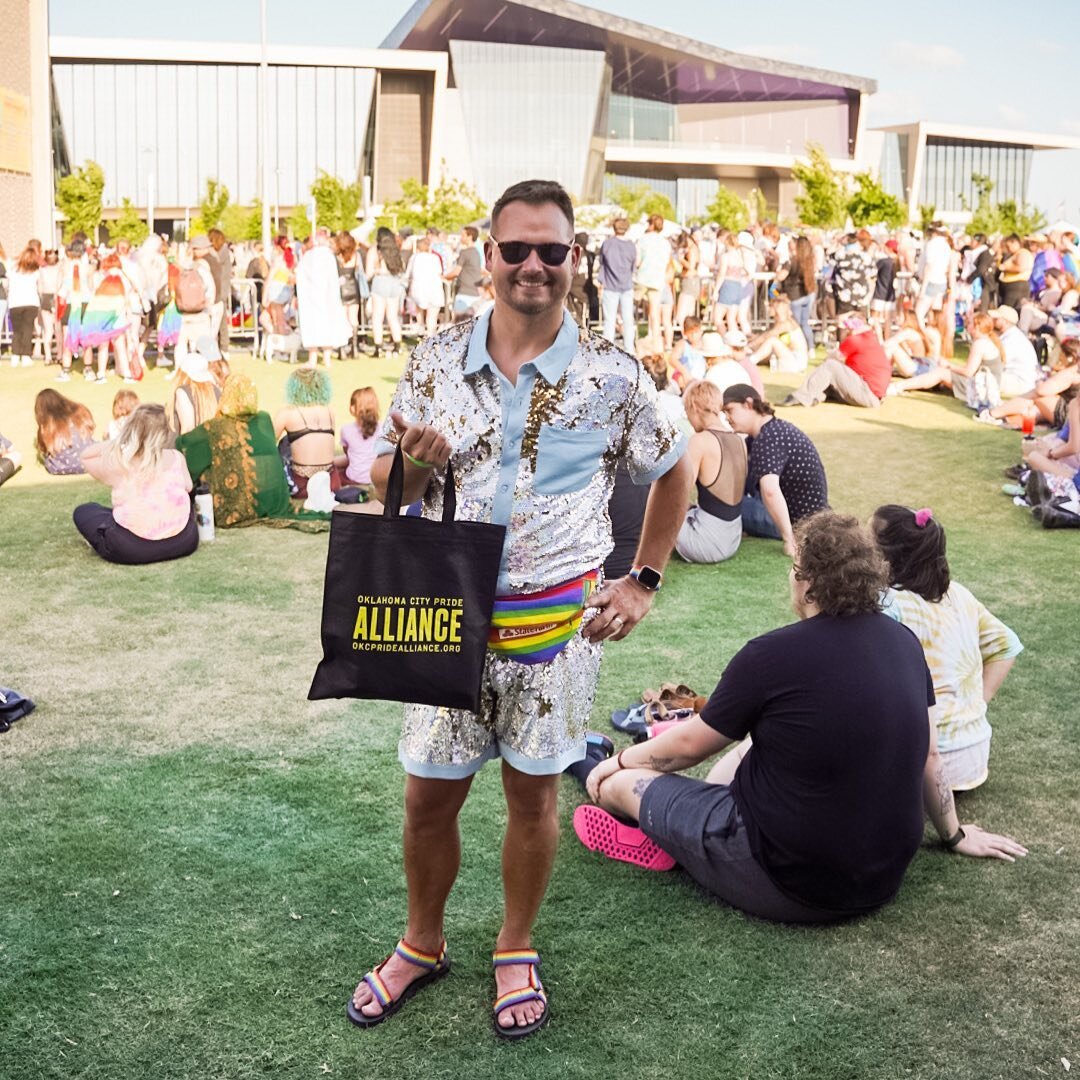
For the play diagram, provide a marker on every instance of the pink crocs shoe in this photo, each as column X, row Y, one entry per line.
column 599, row 831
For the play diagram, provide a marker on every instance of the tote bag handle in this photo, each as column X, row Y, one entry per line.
column 395, row 485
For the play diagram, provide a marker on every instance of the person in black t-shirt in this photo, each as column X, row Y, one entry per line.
column 820, row 817
column 785, row 480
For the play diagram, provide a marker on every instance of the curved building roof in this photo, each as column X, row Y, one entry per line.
column 646, row 62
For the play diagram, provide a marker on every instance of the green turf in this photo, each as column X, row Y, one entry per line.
column 197, row 864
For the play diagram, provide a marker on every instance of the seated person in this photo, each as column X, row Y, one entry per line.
column 307, row 423
column 687, row 359
column 739, row 345
column 1049, row 401
column 977, row 383
column 236, row 455
column 819, row 819
column 783, row 344
column 10, row 460
column 1036, row 312
column 670, row 398
column 358, row 440
column 626, row 508
column 1057, row 459
column 712, row 530
column 968, row 650
column 64, row 429
column 721, row 368
column 858, row 375
column 195, row 394
column 1020, row 368
column 914, row 349
column 151, row 519
column 785, row 479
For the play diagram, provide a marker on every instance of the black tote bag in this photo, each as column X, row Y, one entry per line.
column 407, row 603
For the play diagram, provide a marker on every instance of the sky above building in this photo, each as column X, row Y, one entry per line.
column 947, row 62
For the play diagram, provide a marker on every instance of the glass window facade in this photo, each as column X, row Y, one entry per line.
column 513, row 131
column 186, row 123
column 950, row 164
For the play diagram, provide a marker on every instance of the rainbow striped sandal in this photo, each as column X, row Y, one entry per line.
column 436, row 966
column 533, row 992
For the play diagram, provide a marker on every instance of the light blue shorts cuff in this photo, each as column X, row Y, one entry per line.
column 457, row 771
column 543, row 766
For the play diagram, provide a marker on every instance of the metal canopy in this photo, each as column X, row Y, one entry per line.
column 646, row 62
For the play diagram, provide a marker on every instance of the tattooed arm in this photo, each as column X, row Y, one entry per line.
column 941, row 809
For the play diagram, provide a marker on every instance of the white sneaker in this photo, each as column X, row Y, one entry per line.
column 63, row 377
column 984, row 417
column 27, row 361
column 14, row 361
column 89, row 375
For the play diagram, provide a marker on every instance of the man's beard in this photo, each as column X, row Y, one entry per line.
column 529, row 302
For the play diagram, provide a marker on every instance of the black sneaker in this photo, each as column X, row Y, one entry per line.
column 1016, row 472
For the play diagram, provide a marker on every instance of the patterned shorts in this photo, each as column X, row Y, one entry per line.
column 534, row 716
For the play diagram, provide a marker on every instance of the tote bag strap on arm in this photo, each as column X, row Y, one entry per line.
column 395, row 486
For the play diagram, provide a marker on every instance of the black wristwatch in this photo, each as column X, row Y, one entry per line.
column 647, row 577
column 954, row 840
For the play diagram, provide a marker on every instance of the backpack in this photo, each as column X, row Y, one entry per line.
column 190, row 292
column 350, row 289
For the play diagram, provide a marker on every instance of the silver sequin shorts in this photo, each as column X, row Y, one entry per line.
column 533, row 716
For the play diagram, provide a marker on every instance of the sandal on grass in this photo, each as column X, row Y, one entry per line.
column 534, row 991
column 436, row 966
column 600, row 831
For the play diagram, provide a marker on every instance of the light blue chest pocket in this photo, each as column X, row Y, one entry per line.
column 567, row 460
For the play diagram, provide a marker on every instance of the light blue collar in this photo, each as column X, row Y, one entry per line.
column 551, row 363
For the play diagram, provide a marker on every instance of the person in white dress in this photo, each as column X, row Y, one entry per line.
column 425, row 277
column 324, row 326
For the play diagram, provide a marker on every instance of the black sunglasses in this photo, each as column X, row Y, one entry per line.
column 516, row 252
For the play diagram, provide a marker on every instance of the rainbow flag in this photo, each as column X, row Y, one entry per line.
column 105, row 318
column 533, row 628
column 168, row 327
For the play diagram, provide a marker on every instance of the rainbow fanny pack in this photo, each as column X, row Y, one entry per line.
column 533, row 628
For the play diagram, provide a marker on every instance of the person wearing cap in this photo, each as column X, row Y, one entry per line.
column 883, row 302
column 785, row 479
column 197, row 324
column 721, row 368
column 195, row 394
column 857, row 374
column 1020, row 368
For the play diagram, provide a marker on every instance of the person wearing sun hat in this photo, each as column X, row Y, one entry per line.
column 858, row 374
column 721, row 368
column 195, row 395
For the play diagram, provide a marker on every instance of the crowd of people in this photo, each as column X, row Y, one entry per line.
column 874, row 711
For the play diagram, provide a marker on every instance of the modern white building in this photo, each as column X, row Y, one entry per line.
column 931, row 164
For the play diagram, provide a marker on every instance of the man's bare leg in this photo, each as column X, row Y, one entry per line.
column 532, row 837
column 432, row 857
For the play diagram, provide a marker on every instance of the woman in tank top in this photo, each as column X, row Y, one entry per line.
column 712, row 530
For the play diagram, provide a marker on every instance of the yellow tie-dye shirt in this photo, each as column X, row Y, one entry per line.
column 958, row 636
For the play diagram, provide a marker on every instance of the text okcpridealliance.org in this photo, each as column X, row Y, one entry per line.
column 408, row 624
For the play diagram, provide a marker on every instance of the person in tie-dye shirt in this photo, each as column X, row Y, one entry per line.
column 968, row 650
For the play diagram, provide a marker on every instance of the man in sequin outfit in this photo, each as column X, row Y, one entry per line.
column 535, row 415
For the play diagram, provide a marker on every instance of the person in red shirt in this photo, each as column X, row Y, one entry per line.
column 857, row 375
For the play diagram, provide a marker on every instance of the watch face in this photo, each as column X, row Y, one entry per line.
column 648, row 577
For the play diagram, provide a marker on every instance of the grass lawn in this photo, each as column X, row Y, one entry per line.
column 197, row 864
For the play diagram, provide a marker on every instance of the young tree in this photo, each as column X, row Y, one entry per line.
column 298, row 223
column 927, row 214
column 78, row 197
column 871, row 204
column 1004, row 217
column 450, row 206
column 213, row 204
column 128, row 226
column 336, row 202
column 240, row 223
column 823, row 202
column 727, row 210
column 639, row 200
